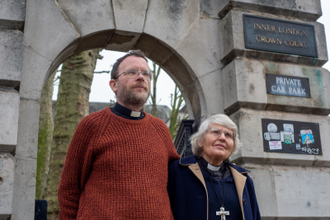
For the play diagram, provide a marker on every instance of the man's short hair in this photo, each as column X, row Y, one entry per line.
column 136, row 53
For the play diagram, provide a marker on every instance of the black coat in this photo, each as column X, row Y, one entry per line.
column 188, row 193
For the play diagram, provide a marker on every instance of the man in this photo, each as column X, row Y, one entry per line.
column 116, row 164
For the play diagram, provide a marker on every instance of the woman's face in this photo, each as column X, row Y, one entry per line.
column 218, row 144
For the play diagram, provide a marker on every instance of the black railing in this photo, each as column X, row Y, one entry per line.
column 181, row 142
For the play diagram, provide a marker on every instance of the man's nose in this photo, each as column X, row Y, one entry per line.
column 140, row 76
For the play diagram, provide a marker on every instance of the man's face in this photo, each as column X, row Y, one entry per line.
column 131, row 92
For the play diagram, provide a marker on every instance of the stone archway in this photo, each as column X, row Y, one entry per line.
column 155, row 49
column 174, row 34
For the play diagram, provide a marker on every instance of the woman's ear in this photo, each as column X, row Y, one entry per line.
column 200, row 143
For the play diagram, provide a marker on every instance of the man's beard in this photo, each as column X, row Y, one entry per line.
column 132, row 98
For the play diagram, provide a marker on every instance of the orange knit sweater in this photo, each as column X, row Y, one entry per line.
column 116, row 168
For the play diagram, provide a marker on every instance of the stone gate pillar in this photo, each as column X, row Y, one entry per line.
column 275, row 89
column 12, row 16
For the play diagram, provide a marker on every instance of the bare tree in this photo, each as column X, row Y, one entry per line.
column 71, row 107
column 156, row 71
column 176, row 105
column 177, row 102
column 45, row 136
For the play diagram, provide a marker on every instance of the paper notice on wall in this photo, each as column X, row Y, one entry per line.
column 288, row 128
column 275, row 145
column 287, row 137
column 274, row 136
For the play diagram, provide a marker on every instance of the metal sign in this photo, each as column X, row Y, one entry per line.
column 279, row 36
column 281, row 136
column 287, row 85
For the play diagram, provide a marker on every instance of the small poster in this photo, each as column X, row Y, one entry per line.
column 287, row 137
column 288, row 127
column 291, row 137
column 275, row 145
column 307, row 136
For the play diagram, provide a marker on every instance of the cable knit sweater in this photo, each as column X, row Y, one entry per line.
column 116, row 168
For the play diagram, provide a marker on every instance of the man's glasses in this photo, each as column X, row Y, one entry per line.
column 229, row 135
column 134, row 73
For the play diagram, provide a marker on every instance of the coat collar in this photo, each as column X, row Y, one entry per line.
column 187, row 161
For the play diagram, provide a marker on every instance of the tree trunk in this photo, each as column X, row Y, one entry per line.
column 156, row 72
column 71, row 107
column 45, row 136
column 176, row 104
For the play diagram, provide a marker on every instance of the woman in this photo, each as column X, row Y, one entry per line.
column 207, row 186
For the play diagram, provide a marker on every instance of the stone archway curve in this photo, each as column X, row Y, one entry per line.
column 181, row 36
column 155, row 49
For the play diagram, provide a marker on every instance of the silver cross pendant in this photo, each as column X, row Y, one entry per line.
column 223, row 213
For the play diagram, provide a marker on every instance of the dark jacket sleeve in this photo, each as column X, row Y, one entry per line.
column 255, row 214
column 187, row 194
column 171, row 184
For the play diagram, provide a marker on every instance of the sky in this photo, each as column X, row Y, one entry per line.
column 101, row 92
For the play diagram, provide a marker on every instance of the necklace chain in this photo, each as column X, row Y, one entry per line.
column 216, row 191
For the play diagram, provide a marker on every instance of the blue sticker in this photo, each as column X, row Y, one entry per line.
column 307, row 136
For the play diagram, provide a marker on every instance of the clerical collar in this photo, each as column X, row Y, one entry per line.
column 218, row 173
column 213, row 168
column 124, row 112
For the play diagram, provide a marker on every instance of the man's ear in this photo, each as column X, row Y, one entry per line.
column 113, row 85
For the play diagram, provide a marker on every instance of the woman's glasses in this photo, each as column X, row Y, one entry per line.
column 217, row 133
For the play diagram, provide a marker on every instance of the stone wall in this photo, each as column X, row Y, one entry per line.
column 12, row 16
column 288, row 185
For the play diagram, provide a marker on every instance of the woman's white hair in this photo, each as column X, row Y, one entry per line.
column 218, row 119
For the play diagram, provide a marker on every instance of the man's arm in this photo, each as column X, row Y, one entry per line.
column 166, row 138
column 75, row 171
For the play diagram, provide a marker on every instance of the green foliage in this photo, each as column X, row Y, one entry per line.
column 45, row 136
column 176, row 104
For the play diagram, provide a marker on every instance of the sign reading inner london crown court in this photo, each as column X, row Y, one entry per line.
column 279, row 36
